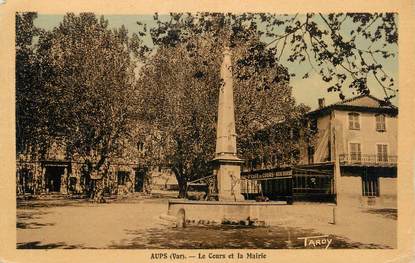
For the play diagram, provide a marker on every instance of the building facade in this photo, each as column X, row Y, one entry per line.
column 359, row 135
column 54, row 172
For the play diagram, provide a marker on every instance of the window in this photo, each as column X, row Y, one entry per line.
column 370, row 185
column 313, row 185
column 355, row 153
column 122, row 177
column 354, row 122
column 382, row 153
column 380, row 123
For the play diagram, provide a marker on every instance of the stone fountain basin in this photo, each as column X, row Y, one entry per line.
column 263, row 213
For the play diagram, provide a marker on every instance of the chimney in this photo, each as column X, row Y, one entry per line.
column 321, row 103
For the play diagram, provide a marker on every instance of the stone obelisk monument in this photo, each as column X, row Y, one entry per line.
column 227, row 166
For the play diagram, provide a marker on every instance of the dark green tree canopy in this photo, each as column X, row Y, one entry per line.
column 345, row 49
column 84, row 81
column 27, row 81
column 179, row 87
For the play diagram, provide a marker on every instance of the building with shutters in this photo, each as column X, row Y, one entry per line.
column 360, row 135
column 357, row 135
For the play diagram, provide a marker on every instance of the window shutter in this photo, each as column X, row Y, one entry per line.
column 382, row 152
column 354, row 121
column 355, row 154
column 380, row 122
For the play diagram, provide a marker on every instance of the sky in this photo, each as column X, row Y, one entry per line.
column 306, row 91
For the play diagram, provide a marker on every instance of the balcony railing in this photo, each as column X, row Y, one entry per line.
column 368, row 159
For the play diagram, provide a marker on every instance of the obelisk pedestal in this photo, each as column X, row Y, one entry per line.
column 228, row 174
column 227, row 166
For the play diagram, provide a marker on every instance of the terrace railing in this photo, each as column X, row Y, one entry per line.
column 368, row 159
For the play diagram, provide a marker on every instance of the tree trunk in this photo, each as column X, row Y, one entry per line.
column 182, row 188
column 98, row 191
column 182, row 183
column 147, row 183
column 98, row 186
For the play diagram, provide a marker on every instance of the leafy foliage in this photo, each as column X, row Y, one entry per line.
column 89, row 84
column 179, row 87
column 343, row 48
column 27, row 82
column 82, row 93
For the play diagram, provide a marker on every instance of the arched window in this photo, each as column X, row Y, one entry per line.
column 380, row 123
column 354, row 121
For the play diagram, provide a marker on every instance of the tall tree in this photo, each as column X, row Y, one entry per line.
column 87, row 79
column 181, row 107
column 179, row 87
column 27, row 82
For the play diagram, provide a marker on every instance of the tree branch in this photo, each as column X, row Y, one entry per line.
column 282, row 50
column 341, row 64
column 327, row 23
column 286, row 35
column 373, row 21
column 381, row 84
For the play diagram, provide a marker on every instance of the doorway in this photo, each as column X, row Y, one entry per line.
column 53, row 177
column 139, row 180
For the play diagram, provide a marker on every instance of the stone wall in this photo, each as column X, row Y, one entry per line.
column 350, row 190
column 388, row 192
column 350, row 193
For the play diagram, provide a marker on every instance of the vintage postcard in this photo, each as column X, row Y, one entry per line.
column 210, row 131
